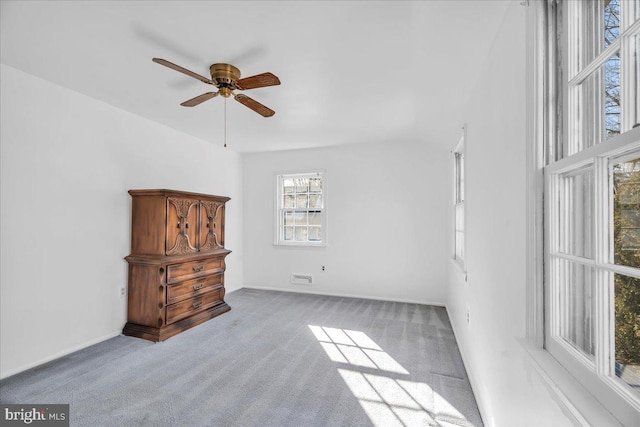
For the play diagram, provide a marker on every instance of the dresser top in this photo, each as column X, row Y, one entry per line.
column 165, row 192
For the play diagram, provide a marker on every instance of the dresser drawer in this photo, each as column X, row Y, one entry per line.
column 186, row 308
column 193, row 269
column 191, row 288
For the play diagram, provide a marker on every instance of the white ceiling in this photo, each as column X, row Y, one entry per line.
column 351, row 71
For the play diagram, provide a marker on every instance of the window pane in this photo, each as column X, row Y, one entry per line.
column 315, row 185
column 315, row 234
column 459, row 245
column 315, row 201
column 626, row 213
column 288, row 233
column 302, row 185
column 577, row 305
column 576, row 212
column 288, row 185
column 289, row 201
column 460, row 217
column 315, row 218
column 599, row 106
column 301, row 234
column 600, row 28
column 459, row 242
column 462, row 177
column 459, row 172
column 302, row 201
column 611, row 21
column 288, row 218
column 627, row 332
column 300, row 218
column 612, row 96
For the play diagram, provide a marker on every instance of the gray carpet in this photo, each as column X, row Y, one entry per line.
column 276, row 359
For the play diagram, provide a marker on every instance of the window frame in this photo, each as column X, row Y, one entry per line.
column 554, row 129
column 279, row 209
column 459, row 197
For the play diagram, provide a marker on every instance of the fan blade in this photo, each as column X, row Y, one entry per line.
column 260, row 80
column 199, row 99
column 254, row 105
column 182, row 70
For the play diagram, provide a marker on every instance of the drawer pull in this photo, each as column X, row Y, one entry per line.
column 196, row 305
column 198, row 268
column 197, row 286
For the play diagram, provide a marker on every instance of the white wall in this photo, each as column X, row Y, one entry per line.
column 67, row 163
column 508, row 390
column 386, row 207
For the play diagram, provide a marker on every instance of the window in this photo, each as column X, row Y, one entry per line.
column 459, row 217
column 603, row 37
column 592, row 207
column 301, row 216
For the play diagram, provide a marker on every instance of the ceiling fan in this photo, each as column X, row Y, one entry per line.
column 226, row 78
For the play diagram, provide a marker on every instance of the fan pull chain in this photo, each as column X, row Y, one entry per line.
column 225, row 122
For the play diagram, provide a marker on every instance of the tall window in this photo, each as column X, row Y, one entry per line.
column 301, row 218
column 592, row 322
column 459, row 218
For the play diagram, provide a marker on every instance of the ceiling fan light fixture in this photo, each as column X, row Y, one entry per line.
column 225, row 91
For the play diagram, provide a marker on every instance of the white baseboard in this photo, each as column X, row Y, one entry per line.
column 336, row 294
column 472, row 381
column 6, row 374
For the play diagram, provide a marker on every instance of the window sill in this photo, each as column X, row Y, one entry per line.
column 300, row 245
column 580, row 405
column 461, row 267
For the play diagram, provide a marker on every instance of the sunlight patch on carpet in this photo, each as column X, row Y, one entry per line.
column 387, row 401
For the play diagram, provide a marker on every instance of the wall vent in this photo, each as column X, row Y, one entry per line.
column 301, row 279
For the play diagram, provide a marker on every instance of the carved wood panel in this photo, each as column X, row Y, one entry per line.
column 182, row 226
column 211, row 228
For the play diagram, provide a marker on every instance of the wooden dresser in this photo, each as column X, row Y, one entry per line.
column 176, row 266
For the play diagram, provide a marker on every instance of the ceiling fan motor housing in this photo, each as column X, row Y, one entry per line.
column 225, row 76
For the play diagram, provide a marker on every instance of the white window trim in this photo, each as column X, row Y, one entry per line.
column 541, row 111
column 460, row 149
column 278, row 218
